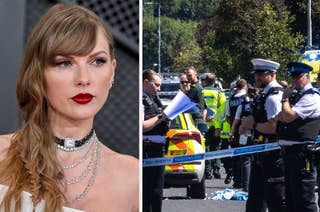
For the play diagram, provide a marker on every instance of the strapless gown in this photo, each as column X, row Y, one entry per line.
column 27, row 205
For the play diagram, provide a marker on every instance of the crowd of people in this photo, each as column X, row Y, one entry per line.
column 271, row 111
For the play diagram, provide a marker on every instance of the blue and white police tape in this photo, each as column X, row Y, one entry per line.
column 160, row 161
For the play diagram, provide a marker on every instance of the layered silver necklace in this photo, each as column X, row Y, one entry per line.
column 91, row 168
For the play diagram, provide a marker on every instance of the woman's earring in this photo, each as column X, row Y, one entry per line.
column 111, row 84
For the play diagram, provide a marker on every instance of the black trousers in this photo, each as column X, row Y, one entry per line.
column 214, row 144
column 245, row 161
column 227, row 161
column 300, row 180
column 153, row 180
column 236, row 164
column 266, row 185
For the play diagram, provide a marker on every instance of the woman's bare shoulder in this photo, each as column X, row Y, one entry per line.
column 5, row 141
column 122, row 174
column 120, row 160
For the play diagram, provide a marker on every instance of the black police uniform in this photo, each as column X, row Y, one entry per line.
column 234, row 103
column 153, row 177
column 300, row 172
column 245, row 160
column 266, row 185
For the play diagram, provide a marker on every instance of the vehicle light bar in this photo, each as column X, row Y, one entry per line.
column 187, row 135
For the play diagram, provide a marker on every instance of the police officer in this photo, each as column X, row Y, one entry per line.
column 215, row 101
column 266, row 185
column 299, row 126
column 238, row 106
column 154, row 124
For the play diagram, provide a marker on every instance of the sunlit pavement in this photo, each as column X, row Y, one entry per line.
column 175, row 199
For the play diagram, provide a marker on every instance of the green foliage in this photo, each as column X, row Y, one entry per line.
column 178, row 46
column 274, row 39
column 150, row 38
column 298, row 9
column 247, row 29
column 222, row 36
column 189, row 55
column 188, row 9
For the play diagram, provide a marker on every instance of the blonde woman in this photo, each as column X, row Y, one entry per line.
column 55, row 162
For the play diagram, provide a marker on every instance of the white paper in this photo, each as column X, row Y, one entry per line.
column 180, row 103
column 243, row 139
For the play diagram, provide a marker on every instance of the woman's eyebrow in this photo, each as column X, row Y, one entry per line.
column 98, row 52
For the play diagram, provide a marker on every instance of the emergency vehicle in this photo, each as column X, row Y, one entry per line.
column 186, row 139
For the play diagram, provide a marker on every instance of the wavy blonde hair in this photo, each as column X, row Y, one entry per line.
column 31, row 162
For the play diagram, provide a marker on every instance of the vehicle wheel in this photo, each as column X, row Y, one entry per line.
column 197, row 191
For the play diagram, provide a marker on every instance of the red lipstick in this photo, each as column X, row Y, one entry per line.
column 82, row 98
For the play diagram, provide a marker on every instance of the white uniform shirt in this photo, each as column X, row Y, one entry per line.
column 273, row 102
column 309, row 104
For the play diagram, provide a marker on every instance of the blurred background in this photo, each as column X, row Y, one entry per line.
column 117, row 124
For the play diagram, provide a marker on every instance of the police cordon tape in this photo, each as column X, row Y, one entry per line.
column 160, row 161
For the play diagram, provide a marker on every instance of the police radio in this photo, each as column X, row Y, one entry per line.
column 294, row 96
column 247, row 111
column 247, row 106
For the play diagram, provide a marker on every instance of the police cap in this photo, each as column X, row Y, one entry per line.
column 262, row 65
column 298, row 68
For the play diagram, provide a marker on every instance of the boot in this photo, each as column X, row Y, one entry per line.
column 216, row 174
column 228, row 178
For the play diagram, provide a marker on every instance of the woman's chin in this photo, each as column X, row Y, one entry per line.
column 84, row 115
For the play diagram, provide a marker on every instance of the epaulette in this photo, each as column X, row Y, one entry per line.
column 146, row 99
column 275, row 90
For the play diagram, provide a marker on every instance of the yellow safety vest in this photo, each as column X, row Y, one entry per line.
column 226, row 129
column 216, row 101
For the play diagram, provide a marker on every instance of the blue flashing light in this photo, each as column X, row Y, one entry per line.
column 312, row 55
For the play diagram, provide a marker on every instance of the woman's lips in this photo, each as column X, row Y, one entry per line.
column 82, row 98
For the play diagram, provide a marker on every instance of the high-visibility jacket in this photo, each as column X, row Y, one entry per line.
column 215, row 101
column 225, row 131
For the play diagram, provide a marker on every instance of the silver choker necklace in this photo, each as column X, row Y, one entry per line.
column 71, row 144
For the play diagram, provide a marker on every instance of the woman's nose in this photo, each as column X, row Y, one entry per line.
column 83, row 76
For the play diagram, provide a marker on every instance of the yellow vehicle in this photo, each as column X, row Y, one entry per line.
column 312, row 58
column 186, row 139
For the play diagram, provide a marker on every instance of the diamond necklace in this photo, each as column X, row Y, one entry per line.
column 94, row 173
column 85, row 173
column 71, row 144
column 90, row 183
column 82, row 159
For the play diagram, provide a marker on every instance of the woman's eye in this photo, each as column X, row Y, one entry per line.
column 99, row 62
column 63, row 63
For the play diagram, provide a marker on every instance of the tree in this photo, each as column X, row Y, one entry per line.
column 242, row 30
column 298, row 8
column 275, row 40
column 194, row 10
column 178, row 46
